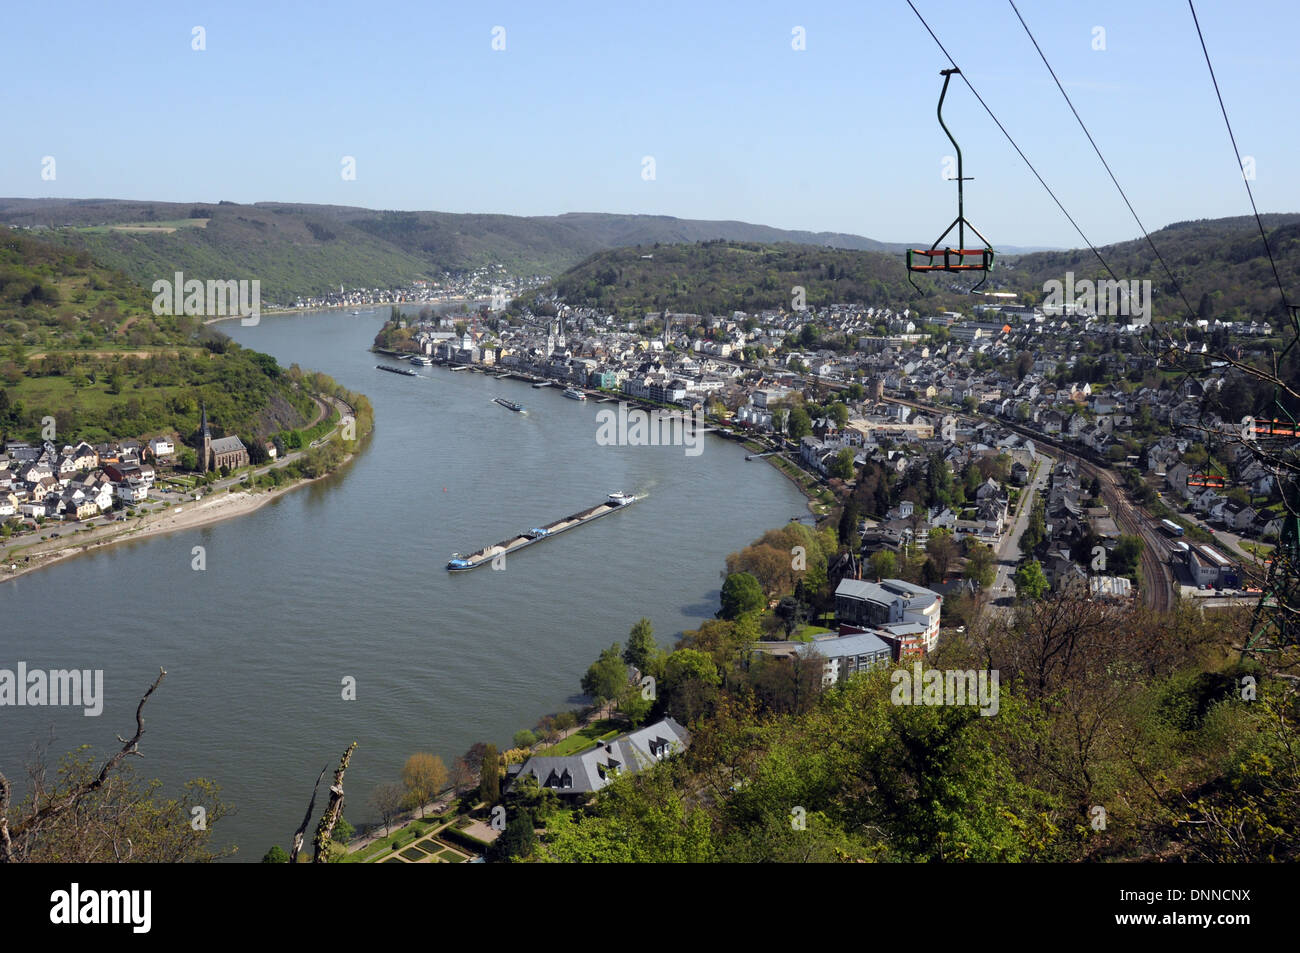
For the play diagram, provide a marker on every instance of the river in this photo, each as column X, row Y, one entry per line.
column 345, row 579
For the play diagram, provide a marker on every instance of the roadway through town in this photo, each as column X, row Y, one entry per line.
column 1157, row 576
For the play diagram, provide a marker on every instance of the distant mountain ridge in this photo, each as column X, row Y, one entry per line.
column 309, row 249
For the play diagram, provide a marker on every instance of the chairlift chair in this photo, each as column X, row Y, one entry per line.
column 947, row 258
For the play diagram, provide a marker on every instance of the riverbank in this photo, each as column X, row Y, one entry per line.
column 813, row 491
column 214, row 508
column 376, row 308
column 218, row 506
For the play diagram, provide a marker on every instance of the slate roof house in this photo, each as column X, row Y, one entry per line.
column 588, row 772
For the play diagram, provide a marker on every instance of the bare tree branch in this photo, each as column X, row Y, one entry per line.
column 298, row 836
column 28, row 827
column 333, row 812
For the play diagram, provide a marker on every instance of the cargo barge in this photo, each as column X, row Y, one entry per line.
column 613, row 503
column 397, row 370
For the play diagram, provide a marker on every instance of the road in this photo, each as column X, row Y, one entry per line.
column 1009, row 552
column 1157, row 577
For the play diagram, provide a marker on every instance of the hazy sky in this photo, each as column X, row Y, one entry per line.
column 838, row 136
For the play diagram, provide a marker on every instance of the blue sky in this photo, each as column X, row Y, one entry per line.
column 839, row 136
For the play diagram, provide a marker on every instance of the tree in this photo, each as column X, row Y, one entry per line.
column 1035, row 529
column 741, row 593
column 1031, row 583
column 641, row 647
column 462, row 774
column 424, row 776
column 799, row 424
column 607, row 676
column 387, row 800
column 883, row 564
column 1125, row 555
column 92, row 813
column 842, row 466
column 942, row 548
column 490, row 776
column 691, row 679
column 980, row 565
column 1024, row 364
column 517, row 841
column 524, row 738
column 276, row 855
column 839, row 413
column 791, row 612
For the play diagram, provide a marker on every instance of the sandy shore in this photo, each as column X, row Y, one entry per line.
column 214, row 508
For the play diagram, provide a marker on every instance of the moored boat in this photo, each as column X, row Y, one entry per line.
column 574, row 394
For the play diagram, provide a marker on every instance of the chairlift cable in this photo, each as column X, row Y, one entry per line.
column 1237, row 152
column 1145, row 234
column 1009, row 138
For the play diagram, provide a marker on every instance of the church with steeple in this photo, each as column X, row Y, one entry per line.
column 223, row 452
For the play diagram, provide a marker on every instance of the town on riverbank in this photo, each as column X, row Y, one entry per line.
column 58, row 502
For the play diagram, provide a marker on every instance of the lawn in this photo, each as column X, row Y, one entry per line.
column 583, row 739
column 806, row 633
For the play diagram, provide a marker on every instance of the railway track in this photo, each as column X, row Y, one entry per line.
column 1157, row 578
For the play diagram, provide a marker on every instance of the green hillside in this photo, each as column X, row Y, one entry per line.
column 79, row 343
column 1220, row 265
column 720, row 277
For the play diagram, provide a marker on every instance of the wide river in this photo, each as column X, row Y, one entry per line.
column 346, row 579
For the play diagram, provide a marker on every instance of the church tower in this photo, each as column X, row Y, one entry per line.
column 205, row 439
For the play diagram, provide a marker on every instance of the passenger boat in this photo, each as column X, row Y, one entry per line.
column 574, row 394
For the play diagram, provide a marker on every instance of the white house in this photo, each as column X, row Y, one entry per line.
column 132, row 491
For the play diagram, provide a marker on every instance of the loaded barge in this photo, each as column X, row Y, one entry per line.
column 613, row 503
column 396, row 370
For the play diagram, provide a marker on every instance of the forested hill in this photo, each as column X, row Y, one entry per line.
column 721, row 277
column 1220, row 265
column 311, row 249
column 80, row 342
